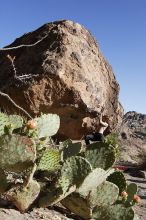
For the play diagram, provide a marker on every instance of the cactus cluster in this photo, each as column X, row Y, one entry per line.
column 83, row 179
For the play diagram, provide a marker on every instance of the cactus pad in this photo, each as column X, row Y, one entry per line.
column 78, row 205
column 74, row 170
column 16, row 121
column 47, row 125
column 54, row 196
column 100, row 155
column 72, row 149
column 16, row 152
column 113, row 212
column 3, row 122
column 118, row 179
column 10, row 122
column 131, row 191
column 50, row 161
column 105, row 194
column 92, row 180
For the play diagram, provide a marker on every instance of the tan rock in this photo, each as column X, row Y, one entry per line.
column 70, row 77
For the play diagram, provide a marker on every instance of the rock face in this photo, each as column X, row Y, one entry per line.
column 66, row 74
column 132, row 137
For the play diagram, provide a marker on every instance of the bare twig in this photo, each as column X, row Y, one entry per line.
column 17, row 106
column 22, row 77
column 13, row 65
column 24, row 45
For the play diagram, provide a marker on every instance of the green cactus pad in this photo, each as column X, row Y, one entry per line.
column 16, row 121
column 78, row 205
column 16, row 152
column 3, row 122
column 100, row 155
column 92, row 180
column 74, row 171
column 54, row 196
column 113, row 212
column 72, row 149
column 118, row 179
column 50, row 161
column 131, row 191
column 10, row 122
column 47, row 125
column 105, row 194
column 64, row 183
column 22, row 197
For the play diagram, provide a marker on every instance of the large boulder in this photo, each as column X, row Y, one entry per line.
column 64, row 73
column 132, row 137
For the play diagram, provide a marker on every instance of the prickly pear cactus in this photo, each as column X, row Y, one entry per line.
column 9, row 122
column 113, row 212
column 74, row 170
column 3, row 122
column 50, row 198
column 50, row 161
column 71, row 149
column 55, row 196
column 100, row 155
column 105, row 194
column 16, row 121
column 47, row 125
column 43, row 144
column 92, row 180
column 84, row 184
column 16, row 152
column 131, row 191
column 64, row 183
column 112, row 140
column 78, row 205
column 118, row 179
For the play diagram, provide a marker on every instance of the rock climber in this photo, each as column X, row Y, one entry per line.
column 98, row 136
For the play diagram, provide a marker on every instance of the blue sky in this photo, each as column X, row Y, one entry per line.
column 118, row 25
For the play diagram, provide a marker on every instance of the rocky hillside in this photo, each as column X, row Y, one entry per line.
column 132, row 136
column 60, row 69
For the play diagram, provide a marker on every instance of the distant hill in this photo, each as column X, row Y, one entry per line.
column 132, row 137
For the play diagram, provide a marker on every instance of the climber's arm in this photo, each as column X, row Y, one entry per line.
column 104, row 124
